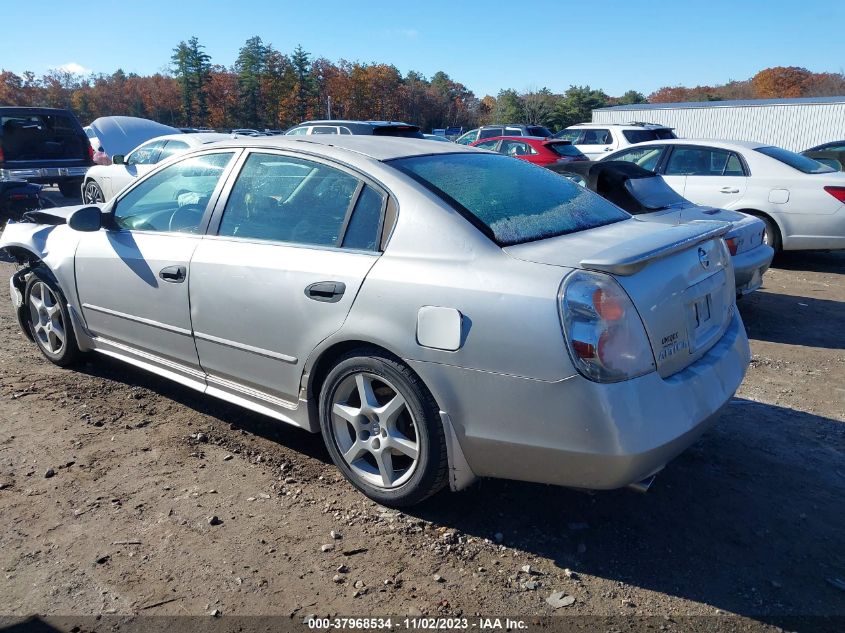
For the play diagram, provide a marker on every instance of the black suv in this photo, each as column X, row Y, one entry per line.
column 44, row 145
column 375, row 128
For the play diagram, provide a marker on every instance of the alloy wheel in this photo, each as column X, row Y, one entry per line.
column 46, row 317
column 374, row 430
column 93, row 194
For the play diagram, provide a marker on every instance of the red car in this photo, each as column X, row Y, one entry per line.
column 535, row 149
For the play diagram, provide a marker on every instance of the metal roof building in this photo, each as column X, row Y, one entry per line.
column 795, row 124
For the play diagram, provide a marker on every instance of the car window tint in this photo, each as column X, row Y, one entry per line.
column 323, row 129
column 564, row 149
column 171, row 148
column 297, row 131
column 640, row 136
column 513, row 131
column 538, row 130
column 515, row 148
column 796, row 161
column 510, row 201
column 147, row 154
column 490, row 132
column 697, row 161
column 363, row 230
column 345, row 130
column 288, row 200
column 596, row 137
column 569, row 135
column 491, row 145
column 645, row 157
column 734, row 166
column 173, row 199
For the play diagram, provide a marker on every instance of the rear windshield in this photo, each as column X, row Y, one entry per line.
column 564, row 149
column 641, row 136
column 538, row 130
column 405, row 131
column 41, row 137
column 796, row 161
column 510, row 201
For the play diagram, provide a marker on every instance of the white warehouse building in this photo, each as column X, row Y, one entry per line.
column 794, row 124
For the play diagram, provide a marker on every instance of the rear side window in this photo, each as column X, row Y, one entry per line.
column 564, row 149
column 641, row 136
column 288, row 200
column 569, row 135
column 510, row 201
column 365, row 225
column 701, row 161
column 323, row 129
column 796, row 161
column 491, row 145
column 596, row 137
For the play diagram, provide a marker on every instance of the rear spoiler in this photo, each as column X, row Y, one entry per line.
column 630, row 257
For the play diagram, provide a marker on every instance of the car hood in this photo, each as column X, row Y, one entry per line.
column 122, row 134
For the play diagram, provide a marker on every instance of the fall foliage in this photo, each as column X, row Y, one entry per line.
column 267, row 89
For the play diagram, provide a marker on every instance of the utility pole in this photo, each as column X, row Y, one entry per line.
column 330, row 107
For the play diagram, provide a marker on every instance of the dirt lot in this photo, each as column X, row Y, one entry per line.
column 749, row 521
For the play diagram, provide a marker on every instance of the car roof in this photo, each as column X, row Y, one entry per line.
column 709, row 142
column 376, row 147
column 637, row 125
column 510, row 137
column 351, row 121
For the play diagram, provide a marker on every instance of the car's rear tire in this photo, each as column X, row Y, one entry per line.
column 771, row 236
column 49, row 320
column 92, row 193
column 70, row 188
column 382, row 429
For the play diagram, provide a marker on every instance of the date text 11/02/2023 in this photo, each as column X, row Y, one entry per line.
column 417, row 623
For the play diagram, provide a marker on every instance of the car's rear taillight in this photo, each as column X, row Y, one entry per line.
column 604, row 332
column 836, row 192
column 90, row 152
column 732, row 244
column 2, row 156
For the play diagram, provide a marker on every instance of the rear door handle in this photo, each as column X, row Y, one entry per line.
column 729, row 190
column 327, row 291
column 174, row 274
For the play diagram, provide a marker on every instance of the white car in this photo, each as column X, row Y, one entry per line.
column 102, row 182
column 801, row 200
column 596, row 140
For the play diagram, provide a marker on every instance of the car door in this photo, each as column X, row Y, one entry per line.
column 595, row 143
column 132, row 276
column 711, row 176
column 139, row 162
column 292, row 243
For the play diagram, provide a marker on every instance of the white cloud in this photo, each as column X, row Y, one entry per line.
column 74, row 68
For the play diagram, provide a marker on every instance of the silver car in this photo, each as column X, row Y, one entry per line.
column 438, row 313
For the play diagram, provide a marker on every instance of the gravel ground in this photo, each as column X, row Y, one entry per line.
column 109, row 477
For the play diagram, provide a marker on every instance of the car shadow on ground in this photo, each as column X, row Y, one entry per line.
column 711, row 529
column 236, row 417
column 794, row 320
column 811, row 261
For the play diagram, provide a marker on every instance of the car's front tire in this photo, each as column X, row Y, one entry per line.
column 49, row 319
column 382, row 429
column 92, row 193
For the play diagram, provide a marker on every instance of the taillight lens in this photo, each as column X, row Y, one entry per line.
column 732, row 244
column 836, row 192
column 604, row 332
column 2, row 156
column 90, row 152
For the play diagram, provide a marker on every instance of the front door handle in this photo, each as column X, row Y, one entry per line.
column 729, row 190
column 327, row 291
column 174, row 274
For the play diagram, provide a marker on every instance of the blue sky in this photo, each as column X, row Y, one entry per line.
column 487, row 45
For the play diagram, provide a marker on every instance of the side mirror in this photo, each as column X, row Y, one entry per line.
column 118, row 159
column 86, row 219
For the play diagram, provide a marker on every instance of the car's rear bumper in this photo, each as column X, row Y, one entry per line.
column 43, row 174
column 750, row 266
column 583, row 434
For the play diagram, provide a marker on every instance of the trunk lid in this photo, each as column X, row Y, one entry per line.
column 679, row 278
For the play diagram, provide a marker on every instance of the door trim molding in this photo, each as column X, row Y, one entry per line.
column 137, row 319
column 247, row 348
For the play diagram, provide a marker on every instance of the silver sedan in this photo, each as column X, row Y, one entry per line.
column 438, row 313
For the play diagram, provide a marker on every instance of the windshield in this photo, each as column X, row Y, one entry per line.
column 796, row 161
column 510, row 201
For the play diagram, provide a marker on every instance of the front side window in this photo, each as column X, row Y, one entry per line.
column 796, row 161
column 469, row 137
column 491, row 145
column 147, row 154
column 173, row 199
column 297, row 131
column 510, row 201
column 286, row 199
column 645, row 157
